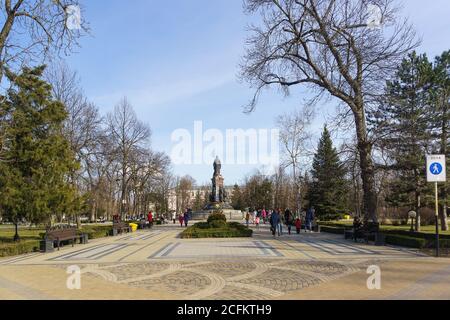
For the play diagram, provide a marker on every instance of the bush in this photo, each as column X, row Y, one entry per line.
column 95, row 232
column 217, row 224
column 405, row 241
column 226, row 230
column 13, row 249
column 443, row 243
column 331, row 217
column 203, row 225
column 422, row 235
column 216, row 216
column 336, row 230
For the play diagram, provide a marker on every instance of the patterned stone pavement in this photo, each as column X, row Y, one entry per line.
column 158, row 264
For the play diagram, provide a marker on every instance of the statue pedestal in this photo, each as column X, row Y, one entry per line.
column 230, row 214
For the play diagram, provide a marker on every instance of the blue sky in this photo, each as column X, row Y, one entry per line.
column 177, row 62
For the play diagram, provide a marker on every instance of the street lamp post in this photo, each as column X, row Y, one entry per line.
column 122, row 209
column 412, row 215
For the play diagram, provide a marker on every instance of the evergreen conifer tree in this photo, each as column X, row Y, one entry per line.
column 328, row 186
column 37, row 157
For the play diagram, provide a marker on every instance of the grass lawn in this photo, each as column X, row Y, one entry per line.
column 30, row 238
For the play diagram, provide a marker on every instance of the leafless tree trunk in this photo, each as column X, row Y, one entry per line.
column 331, row 47
column 128, row 135
column 294, row 136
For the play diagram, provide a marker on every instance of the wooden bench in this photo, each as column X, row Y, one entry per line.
column 58, row 234
column 120, row 227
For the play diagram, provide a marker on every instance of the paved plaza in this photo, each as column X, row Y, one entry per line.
column 157, row 264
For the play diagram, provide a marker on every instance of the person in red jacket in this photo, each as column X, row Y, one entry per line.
column 150, row 218
column 298, row 225
column 181, row 219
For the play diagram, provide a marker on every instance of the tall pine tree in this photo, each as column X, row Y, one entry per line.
column 328, row 188
column 440, row 122
column 402, row 124
column 37, row 157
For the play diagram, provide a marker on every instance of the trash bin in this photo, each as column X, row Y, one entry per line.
column 380, row 239
column 47, row 245
column 84, row 238
column 133, row 226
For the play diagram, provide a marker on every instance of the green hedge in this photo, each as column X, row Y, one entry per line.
column 422, row 235
column 8, row 249
column 335, row 230
column 405, row 241
column 227, row 230
column 217, row 216
column 14, row 249
column 443, row 243
column 96, row 232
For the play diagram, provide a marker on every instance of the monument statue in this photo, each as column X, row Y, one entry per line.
column 218, row 196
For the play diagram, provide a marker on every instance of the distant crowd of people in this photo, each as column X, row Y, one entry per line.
column 277, row 218
column 182, row 218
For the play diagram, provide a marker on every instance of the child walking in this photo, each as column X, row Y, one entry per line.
column 298, row 225
column 257, row 220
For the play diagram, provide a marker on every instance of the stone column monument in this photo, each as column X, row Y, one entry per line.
column 218, row 198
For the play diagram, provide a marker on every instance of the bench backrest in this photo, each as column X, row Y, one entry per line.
column 61, row 232
column 119, row 224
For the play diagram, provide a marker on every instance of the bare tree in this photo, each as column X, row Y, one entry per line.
column 32, row 29
column 82, row 128
column 294, row 136
column 329, row 46
column 184, row 188
column 129, row 136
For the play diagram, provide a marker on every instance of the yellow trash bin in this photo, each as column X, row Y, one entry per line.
column 133, row 226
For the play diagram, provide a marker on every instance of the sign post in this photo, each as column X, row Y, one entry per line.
column 436, row 172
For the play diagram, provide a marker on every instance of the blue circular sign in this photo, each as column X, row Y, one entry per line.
column 436, row 168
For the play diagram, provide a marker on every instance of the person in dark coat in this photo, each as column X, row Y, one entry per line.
column 186, row 218
column 288, row 220
column 310, row 216
column 275, row 221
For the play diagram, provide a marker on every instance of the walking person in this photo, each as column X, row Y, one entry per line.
column 150, row 219
column 174, row 217
column 298, row 225
column 247, row 219
column 257, row 220
column 274, row 223
column 309, row 218
column 264, row 215
column 280, row 222
column 186, row 218
column 181, row 219
column 288, row 220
